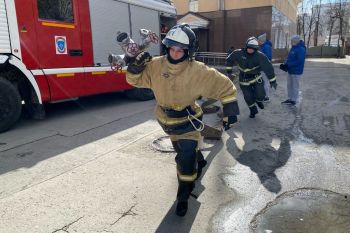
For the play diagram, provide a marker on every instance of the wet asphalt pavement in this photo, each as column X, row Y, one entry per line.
column 90, row 166
column 288, row 148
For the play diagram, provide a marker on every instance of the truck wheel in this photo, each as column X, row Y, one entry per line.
column 10, row 105
column 142, row 94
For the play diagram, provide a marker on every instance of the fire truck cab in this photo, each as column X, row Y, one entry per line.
column 58, row 50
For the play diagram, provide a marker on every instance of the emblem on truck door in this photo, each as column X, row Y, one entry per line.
column 61, row 44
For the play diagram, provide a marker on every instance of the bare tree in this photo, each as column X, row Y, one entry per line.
column 311, row 22
column 307, row 18
column 338, row 14
column 318, row 25
column 342, row 12
column 301, row 20
column 313, row 14
column 330, row 19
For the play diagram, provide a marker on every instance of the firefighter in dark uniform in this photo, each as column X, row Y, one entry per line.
column 177, row 81
column 250, row 63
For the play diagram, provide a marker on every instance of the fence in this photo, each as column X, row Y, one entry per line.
column 325, row 51
column 219, row 59
column 279, row 55
column 212, row 58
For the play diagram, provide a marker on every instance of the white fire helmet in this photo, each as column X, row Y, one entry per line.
column 252, row 43
column 183, row 37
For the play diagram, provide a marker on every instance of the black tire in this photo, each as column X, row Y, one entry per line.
column 142, row 94
column 10, row 104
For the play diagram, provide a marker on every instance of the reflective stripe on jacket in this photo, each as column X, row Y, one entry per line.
column 251, row 65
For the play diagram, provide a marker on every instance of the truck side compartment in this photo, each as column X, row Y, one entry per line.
column 5, row 46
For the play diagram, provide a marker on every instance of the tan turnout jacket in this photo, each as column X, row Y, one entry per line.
column 177, row 86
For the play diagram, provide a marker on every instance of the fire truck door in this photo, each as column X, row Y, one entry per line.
column 58, row 33
column 59, row 48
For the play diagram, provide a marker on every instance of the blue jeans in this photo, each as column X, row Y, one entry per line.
column 293, row 86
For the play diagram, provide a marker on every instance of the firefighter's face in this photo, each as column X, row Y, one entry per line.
column 250, row 51
column 176, row 53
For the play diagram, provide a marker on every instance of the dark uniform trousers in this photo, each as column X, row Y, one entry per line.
column 253, row 92
column 187, row 159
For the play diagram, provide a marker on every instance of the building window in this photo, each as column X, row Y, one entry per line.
column 56, row 10
column 193, row 5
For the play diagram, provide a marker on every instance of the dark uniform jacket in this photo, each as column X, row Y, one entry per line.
column 250, row 66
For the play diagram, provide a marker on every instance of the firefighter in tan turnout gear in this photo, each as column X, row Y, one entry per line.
column 250, row 63
column 177, row 82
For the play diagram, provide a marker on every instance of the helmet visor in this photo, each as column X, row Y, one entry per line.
column 170, row 43
column 251, row 46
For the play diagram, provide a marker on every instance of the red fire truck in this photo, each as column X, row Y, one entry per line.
column 54, row 50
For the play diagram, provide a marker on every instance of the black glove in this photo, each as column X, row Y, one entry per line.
column 284, row 67
column 228, row 122
column 273, row 84
column 139, row 64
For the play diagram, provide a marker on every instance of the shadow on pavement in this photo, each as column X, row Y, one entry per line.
column 75, row 113
column 264, row 164
column 173, row 223
column 264, row 160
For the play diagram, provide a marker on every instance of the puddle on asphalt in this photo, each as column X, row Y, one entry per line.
column 305, row 211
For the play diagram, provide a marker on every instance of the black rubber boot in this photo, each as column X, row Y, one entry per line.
column 181, row 208
column 183, row 194
column 288, row 101
column 260, row 105
column 253, row 111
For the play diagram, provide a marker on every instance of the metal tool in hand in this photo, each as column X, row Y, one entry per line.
column 130, row 48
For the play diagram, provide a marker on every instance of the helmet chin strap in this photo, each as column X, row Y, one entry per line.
column 172, row 61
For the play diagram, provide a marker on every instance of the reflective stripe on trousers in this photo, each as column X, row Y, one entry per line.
column 186, row 164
